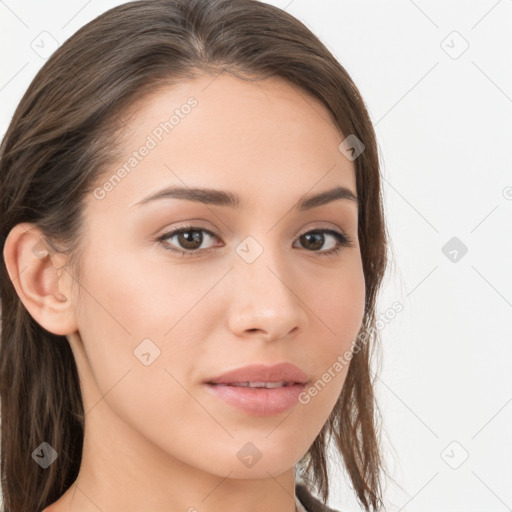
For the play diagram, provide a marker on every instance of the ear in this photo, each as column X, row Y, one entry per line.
column 40, row 280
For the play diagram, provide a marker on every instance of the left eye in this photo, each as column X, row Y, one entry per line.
column 191, row 238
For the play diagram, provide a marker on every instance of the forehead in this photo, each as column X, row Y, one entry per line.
column 265, row 136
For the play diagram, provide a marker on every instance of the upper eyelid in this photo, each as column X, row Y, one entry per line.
column 191, row 226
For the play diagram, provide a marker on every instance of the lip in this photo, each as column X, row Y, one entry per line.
column 286, row 372
column 260, row 401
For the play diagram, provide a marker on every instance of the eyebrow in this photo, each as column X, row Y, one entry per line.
column 229, row 199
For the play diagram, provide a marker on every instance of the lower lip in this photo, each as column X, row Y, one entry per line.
column 258, row 401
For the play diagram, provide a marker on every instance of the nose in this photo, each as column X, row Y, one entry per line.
column 265, row 299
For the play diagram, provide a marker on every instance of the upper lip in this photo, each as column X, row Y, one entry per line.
column 283, row 372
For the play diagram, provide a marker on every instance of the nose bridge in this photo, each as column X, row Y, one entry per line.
column 264, row 297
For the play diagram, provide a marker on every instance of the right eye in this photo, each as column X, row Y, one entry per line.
column 189, row 238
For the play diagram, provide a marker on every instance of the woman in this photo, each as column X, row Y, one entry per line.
column 193, row 242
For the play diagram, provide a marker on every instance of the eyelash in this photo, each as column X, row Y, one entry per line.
column 342, row 241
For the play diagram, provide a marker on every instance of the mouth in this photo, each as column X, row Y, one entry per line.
column 260, row 389
column 258, row 384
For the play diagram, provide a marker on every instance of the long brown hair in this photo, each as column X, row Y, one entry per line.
column 60, row 140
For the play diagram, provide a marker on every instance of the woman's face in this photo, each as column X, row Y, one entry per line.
column 155, row 325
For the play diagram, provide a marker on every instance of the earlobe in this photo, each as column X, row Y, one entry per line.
column 40, row 282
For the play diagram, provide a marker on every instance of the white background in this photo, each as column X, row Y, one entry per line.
column 444, row 125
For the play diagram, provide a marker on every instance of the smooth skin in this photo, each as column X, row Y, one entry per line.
column 156, row 439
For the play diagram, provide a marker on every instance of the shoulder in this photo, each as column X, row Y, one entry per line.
column 308, row 501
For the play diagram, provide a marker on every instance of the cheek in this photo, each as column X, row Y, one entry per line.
column 139, row 339
column 339, row 310
column 135, row 299
column 339, row 307
column 138, row 316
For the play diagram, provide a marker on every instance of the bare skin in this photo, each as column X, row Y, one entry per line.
column 155, row 439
